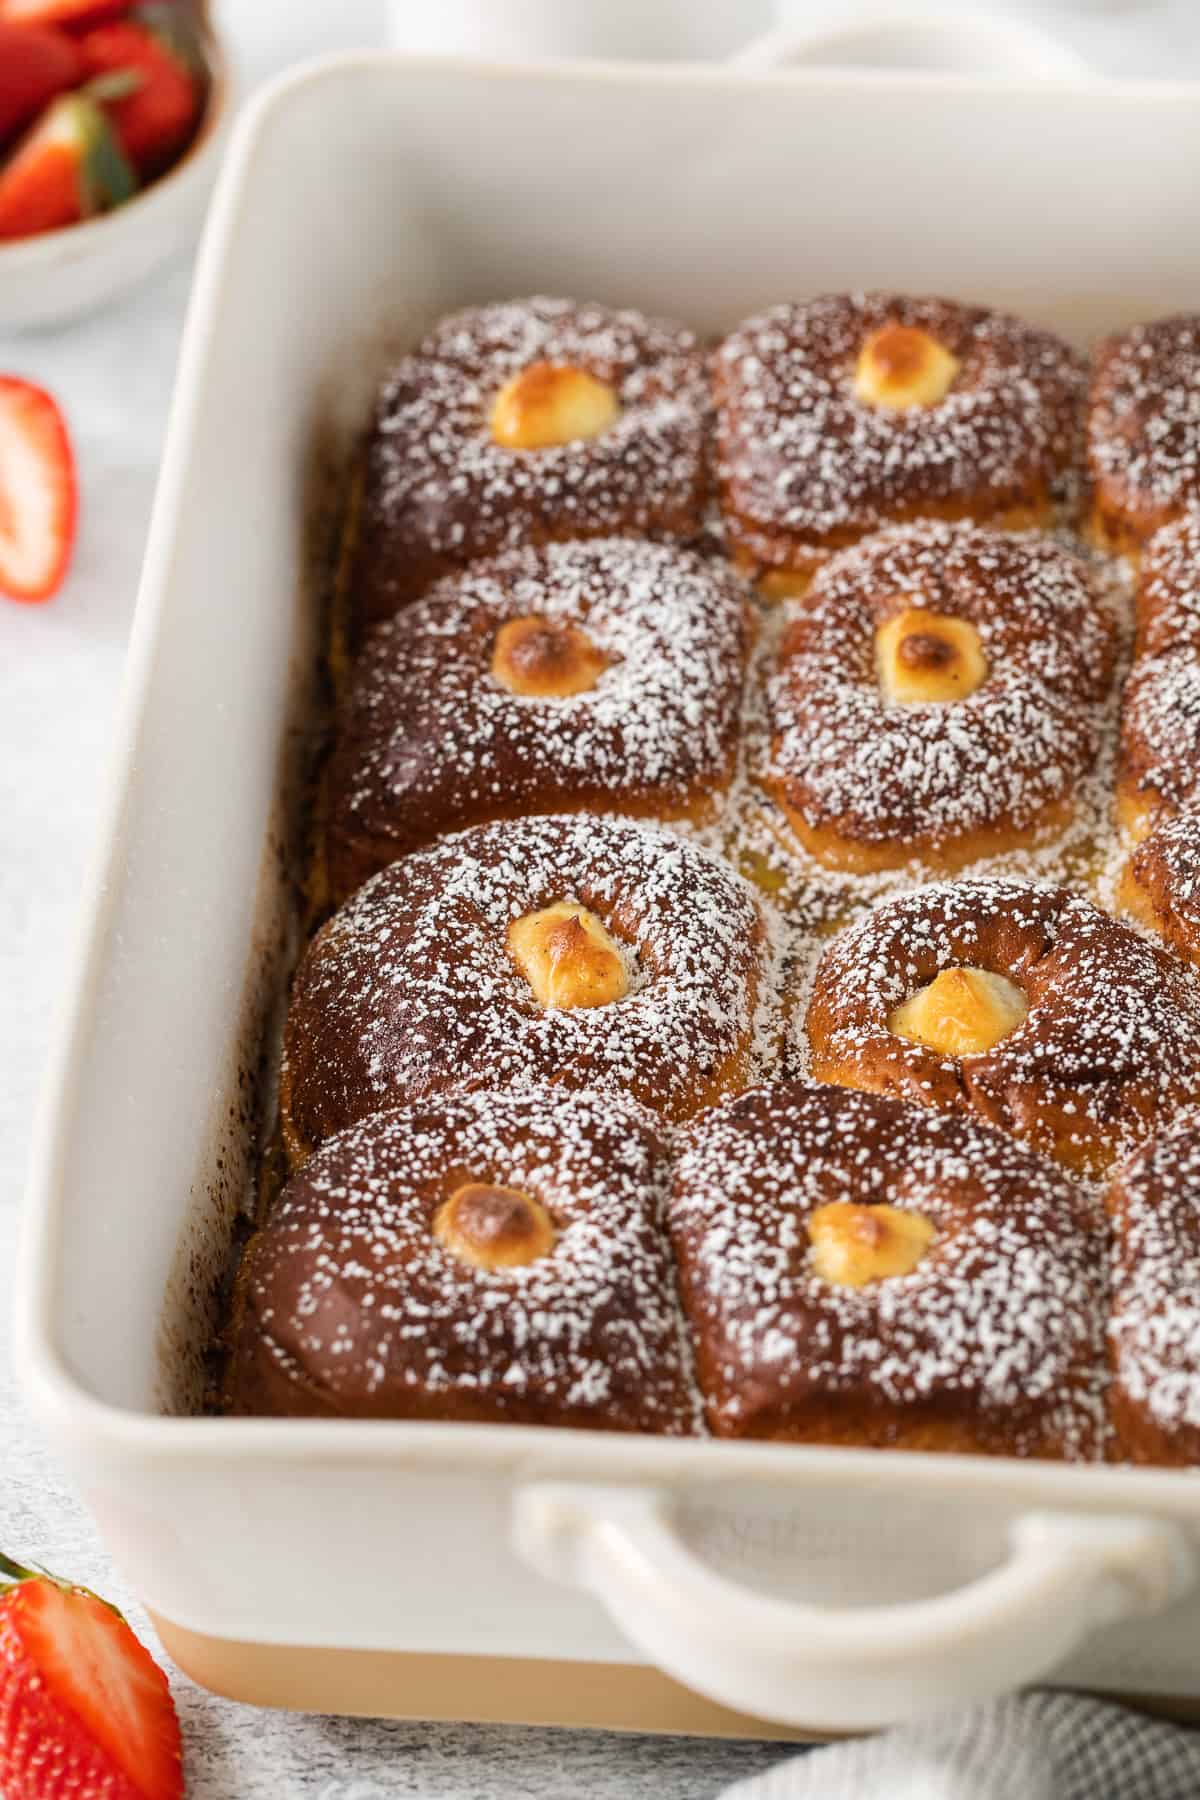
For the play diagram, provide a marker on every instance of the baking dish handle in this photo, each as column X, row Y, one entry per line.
column 946, row 41
column 851, row 1667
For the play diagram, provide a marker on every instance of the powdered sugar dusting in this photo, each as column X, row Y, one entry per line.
column 1160, row 727
column 1160, row 709
column 1108, row 1051
column 800, row 460
column 1168, row 589
column 1166, row 868
column 437, row 483
column 1143, row 432
column 411, row 990
column 879, row 773
column 997, row 1329
column 352, row 1304
column 1155, row 1327
column 429, row 739
column 410, row 987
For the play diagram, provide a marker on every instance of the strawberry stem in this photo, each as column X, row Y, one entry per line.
column 11, row 1571
column 117, row 84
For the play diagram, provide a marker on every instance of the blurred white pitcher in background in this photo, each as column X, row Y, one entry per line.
column 264, row 36
column 1053, row 38
column 529, row 30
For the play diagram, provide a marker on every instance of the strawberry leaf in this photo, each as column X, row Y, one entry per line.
column 118, row 84
column 12, row 1573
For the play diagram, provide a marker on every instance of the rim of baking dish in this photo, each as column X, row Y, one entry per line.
column 56, row 1394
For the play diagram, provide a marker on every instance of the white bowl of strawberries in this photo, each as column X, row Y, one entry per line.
column 112, row 117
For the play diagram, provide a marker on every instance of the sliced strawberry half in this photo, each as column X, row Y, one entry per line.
column 157, row 117
column 84, row 1709
column 68, row 168
column 38, row 492
column 36, row 63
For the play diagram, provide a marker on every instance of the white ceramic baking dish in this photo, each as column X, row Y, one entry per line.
column 817, row 1587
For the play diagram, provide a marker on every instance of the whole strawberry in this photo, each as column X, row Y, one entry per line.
column 85, row 1712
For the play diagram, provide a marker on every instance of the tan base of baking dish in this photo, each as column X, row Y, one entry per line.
column 496, row 1690
column 484, row 1690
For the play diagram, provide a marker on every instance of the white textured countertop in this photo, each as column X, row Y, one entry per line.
column 60, row 668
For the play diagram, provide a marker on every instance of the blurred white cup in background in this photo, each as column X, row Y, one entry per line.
column 267, row 35
column 516, row 30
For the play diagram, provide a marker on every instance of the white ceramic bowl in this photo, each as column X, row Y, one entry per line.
column 57, row 275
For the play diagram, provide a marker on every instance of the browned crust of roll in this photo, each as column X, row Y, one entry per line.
column 1154, row 1333
column 1160, row 884
column 804, row 469
column 350, row 1306
column 428, row 740
column 410, row 989
column 868, row 784
column 1143, row 440
column 992, row 1343
column 439, row 493
column 1108, row 1053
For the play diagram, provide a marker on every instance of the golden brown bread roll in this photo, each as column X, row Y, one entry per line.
column 1070, row 1030
column 1158, row 771
column 936, row 698
column 852, row 411
column 455, row 966
column 860, row 1271
column 1161, row 884
column 604, row 675
column 496, row 1257
column 1143, row 430
column 522, row 423
column 1154, row 1335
